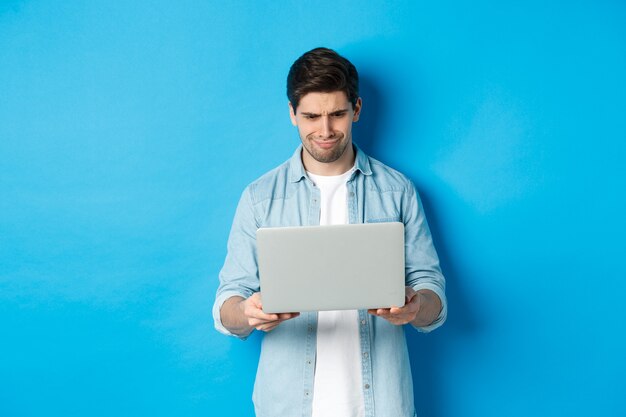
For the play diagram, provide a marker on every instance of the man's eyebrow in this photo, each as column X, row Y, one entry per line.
column 317, row 114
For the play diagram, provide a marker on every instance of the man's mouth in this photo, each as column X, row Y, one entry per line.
column 326, row 144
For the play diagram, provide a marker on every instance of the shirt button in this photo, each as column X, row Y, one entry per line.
column 306, row 393
column 351, row 194
column 308, row 362
column 367, row 386
column 365, row 354
column 363, row 322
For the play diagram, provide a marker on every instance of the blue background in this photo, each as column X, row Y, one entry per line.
column 129, row 129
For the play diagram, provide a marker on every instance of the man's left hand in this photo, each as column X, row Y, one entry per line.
column 420, row 309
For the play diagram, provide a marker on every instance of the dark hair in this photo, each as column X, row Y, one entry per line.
column 322, row 70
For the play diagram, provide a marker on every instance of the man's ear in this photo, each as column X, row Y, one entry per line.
column 292, row 114
column 357, row 109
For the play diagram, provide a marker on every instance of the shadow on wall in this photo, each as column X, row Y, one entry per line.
column 427, row 351
column 365, row 131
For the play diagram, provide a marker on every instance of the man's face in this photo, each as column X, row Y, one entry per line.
column 324, row 122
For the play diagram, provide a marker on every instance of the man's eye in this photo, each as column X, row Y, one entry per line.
column 338, row 115
column 310, row 116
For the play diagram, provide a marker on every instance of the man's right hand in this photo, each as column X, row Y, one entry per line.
column 252, row 309
column 241, row 316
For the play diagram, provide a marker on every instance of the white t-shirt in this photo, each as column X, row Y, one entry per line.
column 337, row 385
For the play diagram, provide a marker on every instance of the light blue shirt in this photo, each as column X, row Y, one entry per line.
column 285, row 196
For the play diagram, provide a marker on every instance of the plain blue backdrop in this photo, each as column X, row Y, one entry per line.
column 129, row 129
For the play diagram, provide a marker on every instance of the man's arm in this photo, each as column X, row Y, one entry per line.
column 237, row 309
column 426, row 305
column 241, row 315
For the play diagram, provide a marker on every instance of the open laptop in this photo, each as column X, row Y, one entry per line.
column 342, row 267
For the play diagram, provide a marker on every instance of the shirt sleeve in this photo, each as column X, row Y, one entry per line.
column 421, row 260
column 239, row 275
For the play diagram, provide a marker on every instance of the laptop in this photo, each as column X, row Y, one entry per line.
column 339, row 267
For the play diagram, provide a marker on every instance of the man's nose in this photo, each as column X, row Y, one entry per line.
column 326, row 128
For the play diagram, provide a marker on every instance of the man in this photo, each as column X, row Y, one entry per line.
column 338, row 363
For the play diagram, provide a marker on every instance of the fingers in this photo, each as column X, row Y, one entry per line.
column 253, row 311
column 382, row 312
column 392, row 311
column 396, row 315
column 266, row 326
column 287, row 316
column 270, row 318
column 385, row 313
column 257, row 318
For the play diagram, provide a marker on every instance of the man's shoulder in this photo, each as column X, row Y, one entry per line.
column 268, row 184
column 385, row 177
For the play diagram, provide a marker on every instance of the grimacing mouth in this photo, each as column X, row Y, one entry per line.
column 337, row 138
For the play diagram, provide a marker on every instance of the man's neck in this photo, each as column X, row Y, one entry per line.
column 340, row 166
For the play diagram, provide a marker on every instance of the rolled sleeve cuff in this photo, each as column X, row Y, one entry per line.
column 444, row 306
column 217, row 318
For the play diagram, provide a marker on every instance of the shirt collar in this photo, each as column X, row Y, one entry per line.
column 297, row 172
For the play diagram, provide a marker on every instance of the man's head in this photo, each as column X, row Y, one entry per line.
column 322, row 87
column 322, row 70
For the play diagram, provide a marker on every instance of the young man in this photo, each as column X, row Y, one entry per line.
column 331, row 363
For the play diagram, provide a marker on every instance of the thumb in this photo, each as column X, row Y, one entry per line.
column 255, row 300
column 410, row 294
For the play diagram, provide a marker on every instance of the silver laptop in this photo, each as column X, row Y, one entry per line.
column 343, row 267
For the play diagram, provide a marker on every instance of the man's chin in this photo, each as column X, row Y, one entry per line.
column 325, row 155
column 331, row 155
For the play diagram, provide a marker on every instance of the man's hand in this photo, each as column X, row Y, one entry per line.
column 241, row 316
column 420, row 309
column 252, row 309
